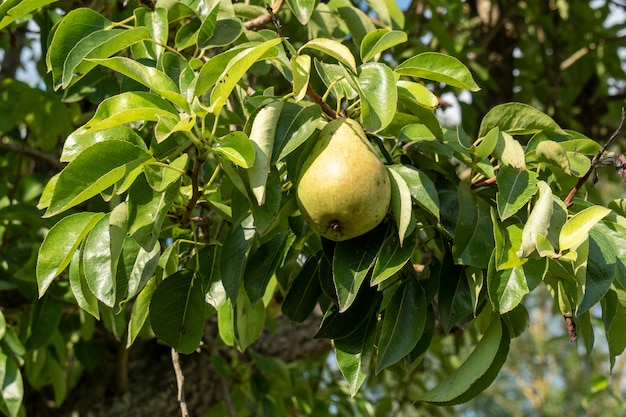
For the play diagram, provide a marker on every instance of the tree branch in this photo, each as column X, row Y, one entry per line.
column 180, row 383
column 265, row 18
column 569, row 200
column 34, row 153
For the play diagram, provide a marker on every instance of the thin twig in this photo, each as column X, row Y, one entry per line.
column 180, row 383
column 265, row 18
column 571, row 327
column 569, row 200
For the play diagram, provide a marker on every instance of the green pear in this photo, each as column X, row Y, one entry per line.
column 344, row 189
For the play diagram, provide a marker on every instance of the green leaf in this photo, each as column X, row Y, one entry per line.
column 297, row 123
column 476, row 372
column 74, row 27
column 237, row 148
column 510, row 152
column 614, row 317
column 338, row 325
column 335, row 80
column 351, row 263
column 147, row 210
column 155, row 80
column 422, row 189
column 379, row 95
column 140, row 312
column 11, row 11
column 304, row 292
column 538, row 221
column 332, row 48
column 99, row 44
column 161, row 177
column 393, row 256
column 401, row 205
column 402, row 325
column 249, row 320
column 389, row 13
column 262, row 134
column 177, row 311
column 488, row 143
column 438, row 67
column 473, row 237
column 380, row 40
column 235, row 69
column 83, row 295
column 417, row 94
column 302, row 9
column 12, row 389
column 44, row 321
column 359, row 24
column 57, row 248
column 261, row 267
column 576, row 229
column 236, row 246
column 156, row 21
column 507, row 287
column 98, row 264
column 518, row 119
column 515, row 189
column 226, row 323
column 600, row 271
column 572, row 163
column 137, row 266
column 508, row 239
column 131, row 106
column 354, row 354
column 227, row 31
column 78, row 141
column 93, row 171
column 301, row 69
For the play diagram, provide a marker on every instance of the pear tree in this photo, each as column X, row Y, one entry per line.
column 243, row 161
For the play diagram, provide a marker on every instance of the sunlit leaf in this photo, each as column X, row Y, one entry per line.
column 129, row 107
column 379, row 95
column 235, row 69
column 380, row 40
column 538, row 220
column 99, row 44
column 59, row 245
column 401, row 205
column 438, row 67
column 94, row 170
column 332, row 48
column 576, row 229
column 515, row 189
column 262, row 134
column 518, row 119
column 302, row 9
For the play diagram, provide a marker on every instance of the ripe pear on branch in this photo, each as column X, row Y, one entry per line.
column 344, row 189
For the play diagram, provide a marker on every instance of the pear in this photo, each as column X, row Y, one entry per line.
column 344, row 189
